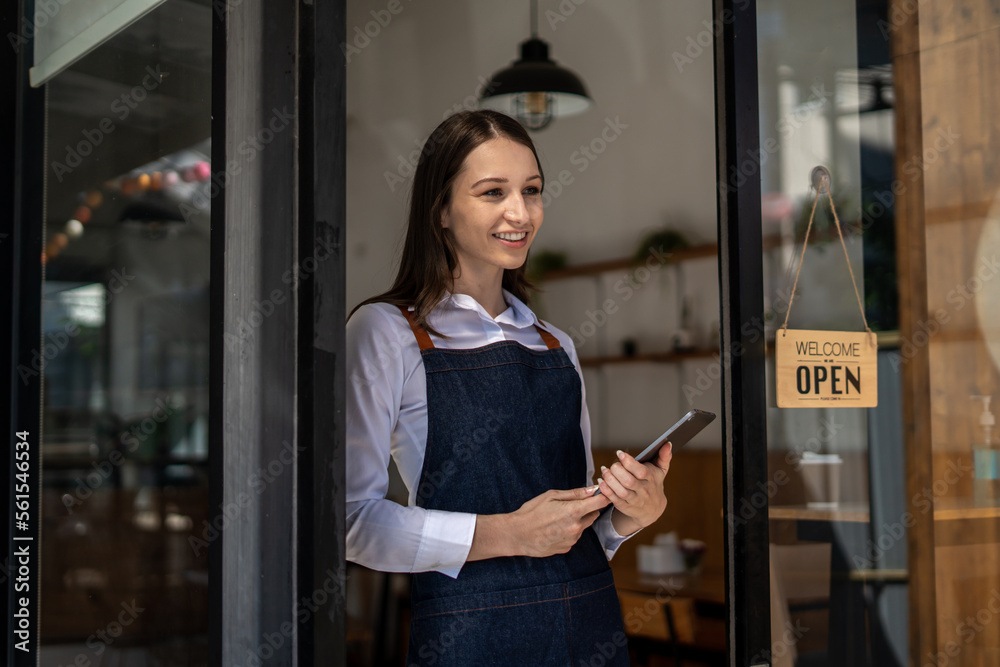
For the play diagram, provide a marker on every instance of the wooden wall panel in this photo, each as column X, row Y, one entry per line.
column 911, row 264
column 955, row 91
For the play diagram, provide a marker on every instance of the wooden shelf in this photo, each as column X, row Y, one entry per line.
column 945, row 509
column 849, row 512
column 652, row 357
column 769, row 242
column 596, row 268
column 950, row 509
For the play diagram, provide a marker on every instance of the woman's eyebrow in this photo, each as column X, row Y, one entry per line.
column 490, row 179
column 499, row 179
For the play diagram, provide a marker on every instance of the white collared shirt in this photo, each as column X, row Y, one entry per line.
column 387, row 415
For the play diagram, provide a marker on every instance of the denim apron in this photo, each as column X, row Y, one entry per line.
column 503, row 426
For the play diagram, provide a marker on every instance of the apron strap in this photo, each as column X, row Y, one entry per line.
column 423, row 338
column 425, row 343
column 550, row 341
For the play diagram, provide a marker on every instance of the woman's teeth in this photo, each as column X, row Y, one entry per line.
column 511, row 236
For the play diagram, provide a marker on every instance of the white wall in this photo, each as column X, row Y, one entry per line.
column 432, row 56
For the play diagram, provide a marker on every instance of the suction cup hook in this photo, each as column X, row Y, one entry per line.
column 820, row 177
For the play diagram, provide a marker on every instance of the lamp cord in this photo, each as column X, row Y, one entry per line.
column 534, row 18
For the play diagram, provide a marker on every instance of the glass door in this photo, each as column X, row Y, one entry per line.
column 123, row 360
column 836, row 475
column 146, row 285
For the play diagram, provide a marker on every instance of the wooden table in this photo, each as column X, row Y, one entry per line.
column 702, row 598
column 708, row 588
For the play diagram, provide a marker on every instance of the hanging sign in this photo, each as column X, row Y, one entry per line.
column 826, row 369
column 829, row 369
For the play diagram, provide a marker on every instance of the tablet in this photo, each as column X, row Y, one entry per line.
column 679, row 434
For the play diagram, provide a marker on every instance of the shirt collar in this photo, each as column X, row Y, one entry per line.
column 517, row 314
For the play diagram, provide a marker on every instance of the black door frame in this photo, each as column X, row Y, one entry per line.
column 22, row 118
column 277, row 333
column 748, row 622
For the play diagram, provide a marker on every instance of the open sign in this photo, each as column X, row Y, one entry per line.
column 833, row 369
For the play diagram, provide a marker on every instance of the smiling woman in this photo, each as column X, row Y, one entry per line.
column 457, row 164
column 503, row 531
column 493, row 219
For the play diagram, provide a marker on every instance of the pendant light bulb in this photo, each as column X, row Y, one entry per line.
column 534, row 110
column 534, row 89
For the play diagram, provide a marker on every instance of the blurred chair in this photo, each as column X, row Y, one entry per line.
column 661, row 627
column 800, row 581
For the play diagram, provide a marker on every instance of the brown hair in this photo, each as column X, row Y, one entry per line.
column 429, row 259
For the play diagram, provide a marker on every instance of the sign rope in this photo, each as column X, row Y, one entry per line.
column 822, row 187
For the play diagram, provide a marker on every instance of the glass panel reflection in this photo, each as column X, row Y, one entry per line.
column 836, row 483
column 124, row 576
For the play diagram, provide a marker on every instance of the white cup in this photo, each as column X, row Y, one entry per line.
column 821, row 479
column 660, row 559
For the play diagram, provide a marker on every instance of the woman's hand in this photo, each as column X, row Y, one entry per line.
column 636, row 489
column 548, row 524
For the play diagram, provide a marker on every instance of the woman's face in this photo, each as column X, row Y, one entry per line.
column 495, row 209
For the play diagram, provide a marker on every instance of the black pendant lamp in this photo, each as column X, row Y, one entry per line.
column 535, row 89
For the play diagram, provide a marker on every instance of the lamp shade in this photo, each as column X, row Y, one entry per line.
column 535, row 89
